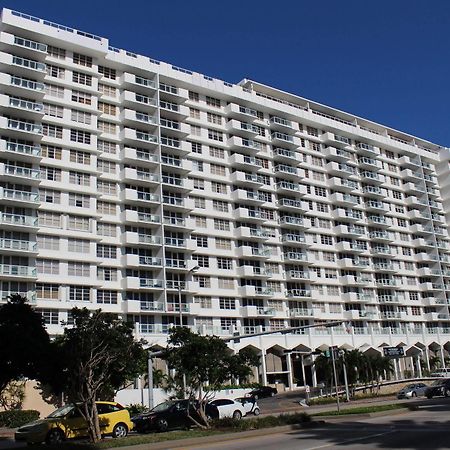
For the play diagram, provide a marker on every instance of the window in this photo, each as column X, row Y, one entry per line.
column 194, row 113
column 79, row 200
column 48, row 242
column 78, row 269
column 47, row 266
column 47, row 291
column 224, row 263
column 197, row 165
column 80, row 116
column 198, row 184
column 48, row 219
column 106, row 208
column 226, row 283
column 194, row 96
column 54, row 91
column 78, row 245
column 106, row 127
column 82, row 78
column 217, row 169
column 203, row 281
column 104, row 89
column 227, row 303
column 107, row 147
column 81, row 97
column 79, row 294
column 397, row 195
column 201, row 240
column 217, row 152
column 326, row 240
column 320, row 191
column 54, row 131
column 78, row 223
column 214, row 118
column 53, row 110
column 223, row 243
column 204, row 302
column 106, row 108
column 107, row 72
column 389, row 154
column 106, row 229
column 322, row 207
column 202, row 260
column 50, row 316
column 106, row 251
column 80, row 157
column 56, row 52
column 199, row 202
column 79, row 178
column 215, row 135
column 222, row 225
column 200, row 222
column 221, row 206
column 196, row 147
column 107, row 297
column 211, row 101
column 82, row 60
column 49, row 151
column 49, row 196
column 50, row 173
column 219, row 188
column 106, row 166
column 196, row 130
column 55, row 71
column 83, row 137
column 107, row 273
column 226, row 323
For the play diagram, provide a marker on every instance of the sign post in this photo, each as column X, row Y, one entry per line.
column 333, row 351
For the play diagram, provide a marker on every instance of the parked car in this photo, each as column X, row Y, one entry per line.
column 444, row 372
column 170, row 415
column 263, row 391
column 438, row 387
column 249, row 404
column 68, row 423
column 412, row 390
column 229, row 408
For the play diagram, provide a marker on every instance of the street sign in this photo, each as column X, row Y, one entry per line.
column 393, row 352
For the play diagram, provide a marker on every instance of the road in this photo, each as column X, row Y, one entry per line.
column 427, row 428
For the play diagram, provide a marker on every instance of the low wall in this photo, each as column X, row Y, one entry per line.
column 140, row 396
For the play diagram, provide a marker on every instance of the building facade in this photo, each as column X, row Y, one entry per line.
column 169, row 197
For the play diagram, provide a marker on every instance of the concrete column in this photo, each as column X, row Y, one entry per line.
column 313, row 371
column 289, row 368
column 413, row 371
column 395, row 369
column 419, row 367
column 263, row 368
column 441, row 351
column 302, row 361
column 427, row 358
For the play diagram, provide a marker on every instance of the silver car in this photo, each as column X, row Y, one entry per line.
column 412, row 390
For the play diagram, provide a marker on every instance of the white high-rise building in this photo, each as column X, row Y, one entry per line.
column 166, row 196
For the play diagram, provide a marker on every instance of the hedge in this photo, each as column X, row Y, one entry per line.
column 16, row 417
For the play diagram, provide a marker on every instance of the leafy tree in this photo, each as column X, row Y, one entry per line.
column 24, row 341
column 13, row 395
column 92, row 359
column 205, row 361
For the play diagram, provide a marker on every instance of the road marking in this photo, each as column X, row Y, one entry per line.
column 350, row 440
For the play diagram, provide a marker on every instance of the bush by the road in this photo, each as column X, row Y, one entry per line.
column 261, row 422
column 17, row 418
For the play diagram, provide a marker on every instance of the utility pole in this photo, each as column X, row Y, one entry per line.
column 332, row 350
column 150, row 380
column 344, row 367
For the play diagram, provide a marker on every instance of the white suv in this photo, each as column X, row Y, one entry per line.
column 229, row 408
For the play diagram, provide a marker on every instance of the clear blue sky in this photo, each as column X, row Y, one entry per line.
column 385, row 60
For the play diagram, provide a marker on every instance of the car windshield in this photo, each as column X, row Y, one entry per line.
column 61, row 412
column 437, row 382
column 163, row 406
column 410, row 386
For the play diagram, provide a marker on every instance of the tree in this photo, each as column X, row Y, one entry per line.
column 24, row 341
column 207, row 363
column 92, row 359
column 13, row 395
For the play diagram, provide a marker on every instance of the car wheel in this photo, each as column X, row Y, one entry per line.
column 55, row 437
column 447, row 392
column 256, row 412
column 120, row 430
column 256, row 397
column 162, row 425
column 429, row 396
column 272, row 394
column 237, row 415
column 413, row 394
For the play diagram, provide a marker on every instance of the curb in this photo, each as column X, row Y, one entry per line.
column 391, row 412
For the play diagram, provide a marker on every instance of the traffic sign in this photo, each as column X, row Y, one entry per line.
column 393, row 352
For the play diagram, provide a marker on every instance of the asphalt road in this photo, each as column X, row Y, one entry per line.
column 427, row 428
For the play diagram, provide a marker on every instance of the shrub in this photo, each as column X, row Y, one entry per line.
column 135, row 409
column 17, row 418
column 261, row 422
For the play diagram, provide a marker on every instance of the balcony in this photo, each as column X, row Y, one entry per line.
column 347, row 214
column 295, row 256
column 410, row 162
column 256, row 234
column 19, row 174
column 301, row 312
column 293, row 239
column 385, row 282
column 384, row 267
column 17, row 245
column 292, row 221
column 283, row 154
column 298, row 293
column 289, row 171
column 371, row 177
column 369, row 163
column 284, row 139
column 253, row 272
column 286, row 186
column 408, row 174
column 18, row 127
column 250, row 180
column 14, row 271
column 17, row 220
column 245, row 143
column 14, row 195
column 297, row 275
column 140, row 239
column 344, row 199
column 367, row 149
column 345, row 246
column 380, row 235
column 280, row 123
column 342, row 184
column 337, row 154
column 21, row 151
column 27, row 108
column 340, row 169
column 388, row 298
column 134, row 196
column 348, row 230
column 374, row 205
column 246, row 251
column 139, row 137
column 131, row 216
column 287, row 203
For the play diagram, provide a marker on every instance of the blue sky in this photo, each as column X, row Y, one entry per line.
column 385, row 60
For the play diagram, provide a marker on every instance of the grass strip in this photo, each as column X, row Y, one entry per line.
column 362, row 410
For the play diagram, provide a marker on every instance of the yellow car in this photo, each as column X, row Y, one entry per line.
column 67, row 423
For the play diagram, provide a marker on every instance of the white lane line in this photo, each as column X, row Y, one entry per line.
column 350, row 440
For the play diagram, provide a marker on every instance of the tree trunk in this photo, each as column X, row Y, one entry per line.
column 91, row 413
